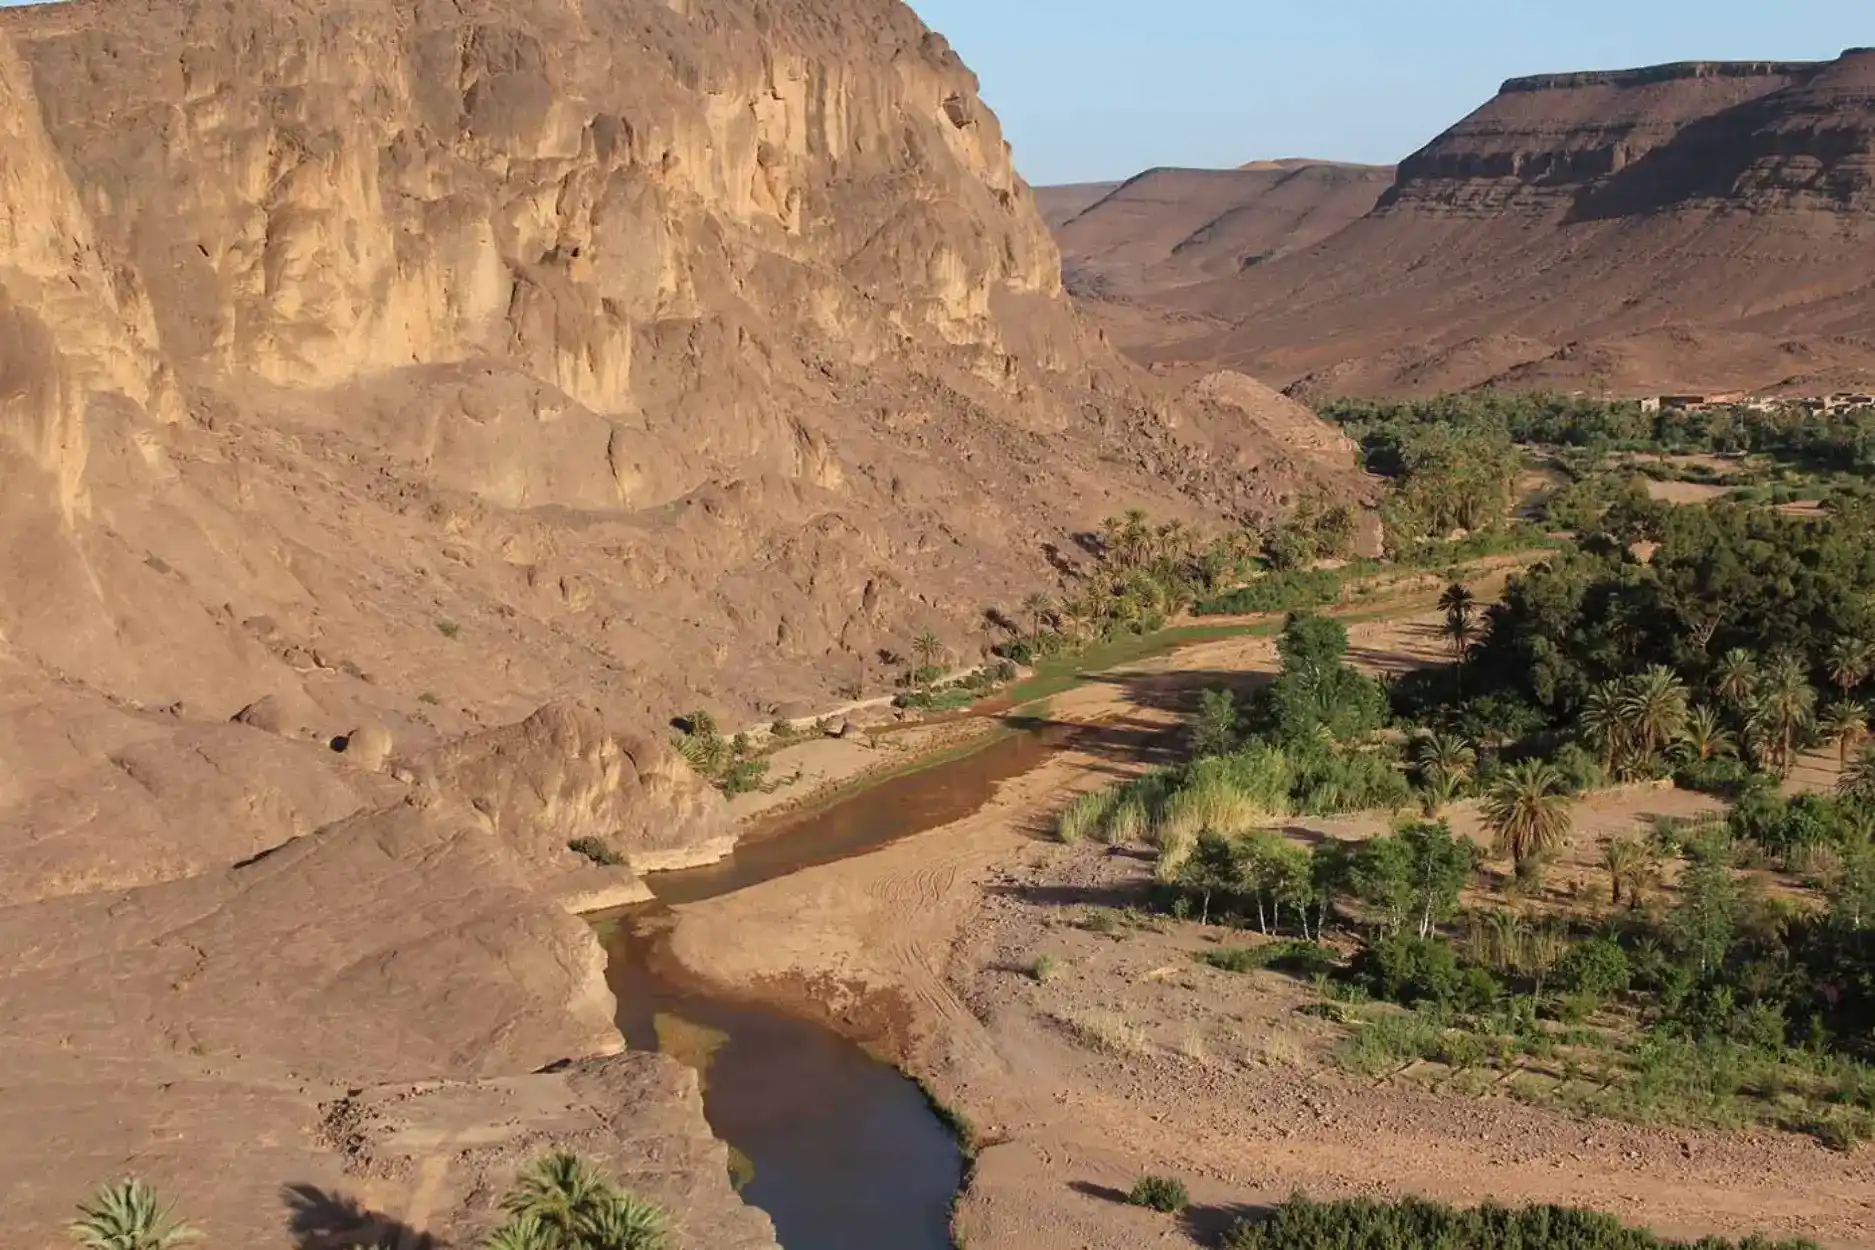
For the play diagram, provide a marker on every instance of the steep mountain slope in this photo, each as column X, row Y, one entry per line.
column 1059, row 203
column 1685, row 227
column 1171, row 227
column 404, row 407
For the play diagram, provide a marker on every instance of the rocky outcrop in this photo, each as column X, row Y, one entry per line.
column 1696, row 227
column 563, row 776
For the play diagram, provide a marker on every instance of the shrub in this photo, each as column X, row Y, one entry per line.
column 128, row 1216
column 1160, row 1193
column 1597, row 969
column 1300, row 1224
column 1044, row 968
column 597, row 850
column 448, row 629
column 743, row 776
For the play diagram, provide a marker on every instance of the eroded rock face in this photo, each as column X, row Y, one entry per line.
column 379, row 373
column 664, row 354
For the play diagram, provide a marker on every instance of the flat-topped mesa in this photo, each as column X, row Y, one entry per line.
column 1759, row 134
column 1676, row 71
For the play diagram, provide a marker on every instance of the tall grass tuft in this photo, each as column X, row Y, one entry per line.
column 1084, row 815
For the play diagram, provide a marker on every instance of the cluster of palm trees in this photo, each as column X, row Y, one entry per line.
column 560, row 1202
column 1144, row 571
column 1767, row 710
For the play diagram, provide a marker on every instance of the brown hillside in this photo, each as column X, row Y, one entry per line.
column 1057, row 204
column 1687, row 227
column 405, row 407
column 1171, row 227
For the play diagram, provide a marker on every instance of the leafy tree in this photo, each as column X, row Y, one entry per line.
column 1214, row 867
column 1439, row 866
column 1527, row 810
column 1311, row 642
column 1707, row 916
column 1276, row 871
column 1215, row 730
column 128, row 1216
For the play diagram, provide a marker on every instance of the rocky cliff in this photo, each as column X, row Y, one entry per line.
column 404, row 409
column 1699, row 226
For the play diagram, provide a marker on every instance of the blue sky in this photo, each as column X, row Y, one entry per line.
column 1096, row 89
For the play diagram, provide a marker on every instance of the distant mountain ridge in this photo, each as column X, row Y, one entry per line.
column 1168, row 227
column 1694, row 226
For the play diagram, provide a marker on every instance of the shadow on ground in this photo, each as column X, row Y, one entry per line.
column 321, row 1220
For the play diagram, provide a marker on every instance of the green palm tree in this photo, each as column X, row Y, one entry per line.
column 625, row 1223
column 562, row 1203
column 1462, row 627
column 1528, row 810
column 1039, row 609
column 521, row 1232
column 1603, row 723
column 1850, row 662
column 1858, row 779
column 1446, row 754
column 928, row 647
column 1844, row 722
column 1438, row 791
column 128, row 1216
column 1735, row 678
column 1653, row 709
column 1784, row 710
column 1706, row 736
column 1625, row 860
column 559, row 1192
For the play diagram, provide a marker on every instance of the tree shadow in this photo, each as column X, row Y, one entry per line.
column 1209, row 1225
column 321, row 1220
column 1105, row 1192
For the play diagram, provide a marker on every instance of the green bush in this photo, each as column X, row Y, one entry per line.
column 1160, row 1193
column 1597, row 969
column 597, row 850
column 1414, row 970
column 1277, row 592
column 1416, row 1224
column 1300, row 959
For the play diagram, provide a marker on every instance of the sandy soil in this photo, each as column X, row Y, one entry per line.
column 924, row 949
